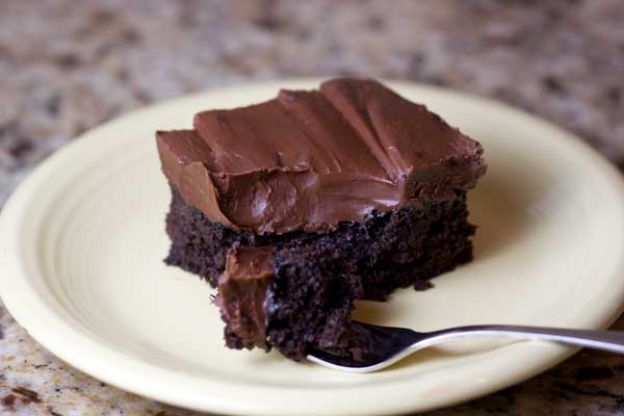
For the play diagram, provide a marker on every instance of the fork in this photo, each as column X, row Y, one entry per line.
column 387, row 345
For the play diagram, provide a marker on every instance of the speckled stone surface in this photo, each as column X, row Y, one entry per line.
column 66, row 66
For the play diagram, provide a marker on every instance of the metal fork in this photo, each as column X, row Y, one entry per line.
column 387, row 345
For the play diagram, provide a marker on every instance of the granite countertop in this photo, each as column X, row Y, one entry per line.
column 66, row 66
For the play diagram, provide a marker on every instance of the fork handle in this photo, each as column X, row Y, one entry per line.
column 612, row 341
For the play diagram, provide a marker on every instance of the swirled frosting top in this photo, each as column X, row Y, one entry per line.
column 308, row 160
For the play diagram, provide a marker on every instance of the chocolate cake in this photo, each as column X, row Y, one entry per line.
column 295, row 207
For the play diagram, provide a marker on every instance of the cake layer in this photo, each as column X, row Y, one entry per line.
column 306, row 297
column 309, row 160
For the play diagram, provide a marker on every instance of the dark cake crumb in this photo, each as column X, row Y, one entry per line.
column 318, row 276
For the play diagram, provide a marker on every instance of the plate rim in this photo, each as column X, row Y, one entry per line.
column 32, row 311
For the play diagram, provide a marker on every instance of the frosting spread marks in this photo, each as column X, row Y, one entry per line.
column 308, row 160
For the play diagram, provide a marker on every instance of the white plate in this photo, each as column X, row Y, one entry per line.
column 81, row 270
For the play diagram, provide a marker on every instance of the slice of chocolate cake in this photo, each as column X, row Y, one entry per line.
column 297, row 206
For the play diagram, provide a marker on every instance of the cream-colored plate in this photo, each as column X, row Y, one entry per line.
column 82, row 243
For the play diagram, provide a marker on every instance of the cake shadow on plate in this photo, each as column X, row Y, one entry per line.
column 500, row 214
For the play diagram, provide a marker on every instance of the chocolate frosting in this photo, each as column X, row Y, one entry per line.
column 243, row 289
column 312, row 159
